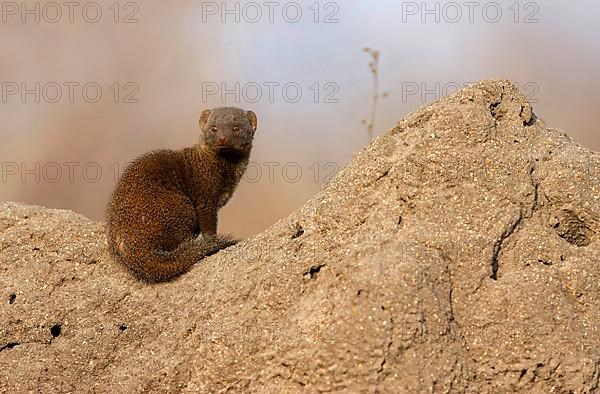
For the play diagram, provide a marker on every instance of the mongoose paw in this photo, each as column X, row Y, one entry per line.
column 227, row 241
column 206, row 238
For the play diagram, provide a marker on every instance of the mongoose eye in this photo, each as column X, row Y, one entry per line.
column 236, row 128
column 214, row 129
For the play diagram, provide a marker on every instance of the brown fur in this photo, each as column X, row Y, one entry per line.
column 162, row 216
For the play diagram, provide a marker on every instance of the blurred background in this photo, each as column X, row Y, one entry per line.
column 88, row 86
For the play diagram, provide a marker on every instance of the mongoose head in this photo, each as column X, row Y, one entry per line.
column 227, row 130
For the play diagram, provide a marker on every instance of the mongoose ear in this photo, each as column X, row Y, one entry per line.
column 204, row 118
column 253, row 121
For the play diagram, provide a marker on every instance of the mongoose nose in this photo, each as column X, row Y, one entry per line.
column 222, row 140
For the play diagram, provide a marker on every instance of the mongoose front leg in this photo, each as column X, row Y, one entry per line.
column 207, row 217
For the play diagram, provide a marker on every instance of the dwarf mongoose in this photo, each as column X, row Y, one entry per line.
column 162, row 216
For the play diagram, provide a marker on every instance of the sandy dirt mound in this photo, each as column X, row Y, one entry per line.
column 459, row 252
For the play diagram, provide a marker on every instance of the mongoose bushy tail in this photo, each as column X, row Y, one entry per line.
column 162, row 215
column 159, row 265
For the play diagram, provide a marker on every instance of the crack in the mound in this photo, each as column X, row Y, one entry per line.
column 384, row 174
column 8, row 346
column 451, row 318
column 494, row 107
column 314, row 270
column 508, row 231
column 387, row 345
column 12, row 344
column 596, row 374
column 536, row 187
column 515, row 225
